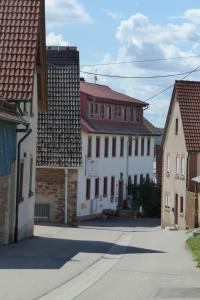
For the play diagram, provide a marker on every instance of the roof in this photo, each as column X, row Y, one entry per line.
column 115, row 127
column 105, row 92
column 22, row 25
column 187, row 93
column 59, row 132
column 8, row 112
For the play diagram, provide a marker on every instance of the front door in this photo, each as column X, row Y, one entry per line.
column 176, row 209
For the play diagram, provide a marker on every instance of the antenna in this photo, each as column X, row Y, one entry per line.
column 95, row 77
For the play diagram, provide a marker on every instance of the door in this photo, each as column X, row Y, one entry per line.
column 120, row 193
column 176, row 209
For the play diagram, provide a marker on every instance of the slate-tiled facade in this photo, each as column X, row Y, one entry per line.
column 59, row 133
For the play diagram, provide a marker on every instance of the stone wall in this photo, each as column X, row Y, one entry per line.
column 50, row 189
column 4, row 209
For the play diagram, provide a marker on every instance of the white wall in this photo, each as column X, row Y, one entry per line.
column 28, row 150
column 174, row 145
column 111, row 166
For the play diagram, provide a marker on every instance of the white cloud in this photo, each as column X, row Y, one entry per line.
column 140, row 39
column 56, row 40
column 193, row 15
column 114, row 15
column 61, row 12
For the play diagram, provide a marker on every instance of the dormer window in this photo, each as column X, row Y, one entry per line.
column 125, row 114
column 91, row 110
column 102, row 111
column 138, row 115
column 109, row 112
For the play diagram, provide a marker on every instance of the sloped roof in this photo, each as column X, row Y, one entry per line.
column 59, row 130
column 22, row 27
column 105, row 92
column 116, row 127
column 187, row 93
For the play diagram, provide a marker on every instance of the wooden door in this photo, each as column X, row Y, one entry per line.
column 176, row 209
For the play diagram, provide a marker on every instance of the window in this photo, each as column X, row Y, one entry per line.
column 135, row 179
column 168, row 163
column 147, row 178
column 176, row 127
column 110, row 112
column 148, row 146
column 142, row 146
column 102, row 111
column 121, row 146
column 181, row 204
column 21, row 181
column 31, row 177
column 141, row 179
column 166, row 199
column 130, row 144
column 131, row 114
column 116, row 111
column 91, row 110
column 96, row 109
column 129, row 185
column 112, row 189
column 136, row 146
column 97, row 146
column 125, row 114
column 138, row 115
column 182, row 166
column 106, row 149
column 96, row 188
column 105, row 186
column 177, row 164
column 88, row 187
column 114, row 147
column 119, row 111
column 89, row 154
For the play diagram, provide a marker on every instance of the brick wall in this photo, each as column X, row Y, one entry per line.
column 50, row 189
column 4, row 203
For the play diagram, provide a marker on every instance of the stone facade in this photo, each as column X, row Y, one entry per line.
column 4, row 209
column 50, row 189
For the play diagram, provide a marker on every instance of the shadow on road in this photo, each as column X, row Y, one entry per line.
column 52, row 253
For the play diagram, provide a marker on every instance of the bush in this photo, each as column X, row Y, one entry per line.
column 146, row 200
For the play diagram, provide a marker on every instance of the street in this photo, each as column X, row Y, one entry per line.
column 103, row 259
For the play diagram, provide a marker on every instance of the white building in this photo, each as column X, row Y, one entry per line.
column 118, row 148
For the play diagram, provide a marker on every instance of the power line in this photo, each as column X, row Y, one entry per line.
column 138, row 77
column 170, row 86
column 140, row 61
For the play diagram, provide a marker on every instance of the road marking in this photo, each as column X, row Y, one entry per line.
column 76, row 286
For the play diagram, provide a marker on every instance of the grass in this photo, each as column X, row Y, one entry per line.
column 194, row 245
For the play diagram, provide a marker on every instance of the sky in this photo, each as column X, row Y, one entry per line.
column 127, row 31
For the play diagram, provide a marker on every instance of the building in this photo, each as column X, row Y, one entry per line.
column 59, row 139
column 181, row 156
column 23, row 82
column 118, row 148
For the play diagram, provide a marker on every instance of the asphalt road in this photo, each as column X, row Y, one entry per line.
column 101, row 260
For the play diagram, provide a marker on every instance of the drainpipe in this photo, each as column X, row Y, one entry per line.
column 18, row 175
column 66, row 194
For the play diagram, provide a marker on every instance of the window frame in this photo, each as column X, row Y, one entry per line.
column 88, row 188
column 105, row 187
column 98, row 146
column 114, row 146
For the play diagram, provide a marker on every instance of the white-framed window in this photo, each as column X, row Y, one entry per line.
column 168, row 163
column 182, row 166
column 177, row 164
column 167, row 199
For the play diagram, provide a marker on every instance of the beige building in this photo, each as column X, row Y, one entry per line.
column 181, row 157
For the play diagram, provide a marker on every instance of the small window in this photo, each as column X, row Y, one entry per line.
column 112, row 190
column 97, row 146
column 119, row 111
column 176, row 127
column 135, row 179
column 110, row 112
column 148, row 146
column 121, row 146
column 182, row 166
column 96, row 109
column 116, row 111
column 105, row 187
column 131, row 114
column 136, row 146
column 125, row 114
column 106, row 149
column 89, row 154
column 114, row 147
column 88, row 188
column 177, row 165
column 102, row 111
column 181, row 204
column 142, row 146
column 97, row 188
column 130, row 146
column 91, row 110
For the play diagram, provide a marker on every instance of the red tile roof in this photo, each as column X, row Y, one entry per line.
column 19, row 26
column 187, row 93
column 105, row 92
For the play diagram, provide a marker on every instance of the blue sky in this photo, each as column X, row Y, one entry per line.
column 125, row 30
